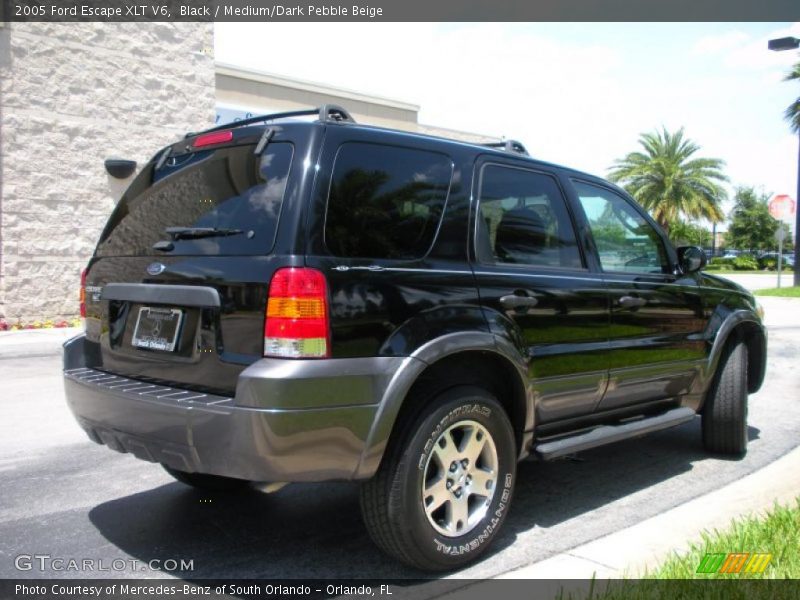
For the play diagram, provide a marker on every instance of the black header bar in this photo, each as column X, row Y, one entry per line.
column 399, row 10
column 396, row 589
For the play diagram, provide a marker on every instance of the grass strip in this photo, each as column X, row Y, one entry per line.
column 783, row 292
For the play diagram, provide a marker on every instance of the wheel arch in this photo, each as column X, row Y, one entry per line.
column 740, row 326
column 469, row 358
column 756, row 341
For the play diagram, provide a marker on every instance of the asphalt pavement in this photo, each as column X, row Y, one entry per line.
column 65, row 497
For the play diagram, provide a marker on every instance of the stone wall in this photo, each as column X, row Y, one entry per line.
column 72, row 95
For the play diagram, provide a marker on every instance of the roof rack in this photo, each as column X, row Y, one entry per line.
column 508, row 146
column 328, row 113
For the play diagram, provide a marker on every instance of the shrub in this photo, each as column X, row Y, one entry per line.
column 721, row 264
column 745, row 263
column 46, row 324
column 768, row 263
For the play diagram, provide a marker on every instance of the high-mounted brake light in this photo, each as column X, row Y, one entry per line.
column 83, row 294
column 209, row 139
column 297, row 323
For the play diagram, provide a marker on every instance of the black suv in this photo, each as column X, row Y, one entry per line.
column 283, row 300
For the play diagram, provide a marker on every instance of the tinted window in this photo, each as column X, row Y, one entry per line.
column 385, row 202
column 523, row 219
column 228, row 189
column 625, row 240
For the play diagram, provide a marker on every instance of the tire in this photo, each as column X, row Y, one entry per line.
column 451, row 525
column 205, row 482
column 725, row 410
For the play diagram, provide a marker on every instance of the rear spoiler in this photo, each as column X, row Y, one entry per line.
column 328, row 113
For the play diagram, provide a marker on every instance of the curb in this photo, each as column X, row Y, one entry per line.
column 628, row 552
column 28, row 343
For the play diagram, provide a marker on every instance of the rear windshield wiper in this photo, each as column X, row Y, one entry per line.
column 192, row 233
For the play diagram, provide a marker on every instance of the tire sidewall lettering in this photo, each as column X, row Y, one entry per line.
column 475, row 539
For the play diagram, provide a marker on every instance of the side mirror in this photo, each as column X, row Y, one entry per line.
column 691, row 259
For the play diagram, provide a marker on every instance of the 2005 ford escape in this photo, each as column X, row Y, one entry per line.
column 283, row 300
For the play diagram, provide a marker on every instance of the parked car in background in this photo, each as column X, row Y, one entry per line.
column 770, row 260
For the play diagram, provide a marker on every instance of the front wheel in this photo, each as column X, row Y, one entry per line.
column 725, row 410
column 443, row 490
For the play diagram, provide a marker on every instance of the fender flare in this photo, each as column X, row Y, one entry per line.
column 412, row 367
column 720, row 339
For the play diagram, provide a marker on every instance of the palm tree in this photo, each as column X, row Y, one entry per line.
column 667, row 181
column 792, row 112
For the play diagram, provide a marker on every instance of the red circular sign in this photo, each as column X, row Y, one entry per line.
column 781, row 207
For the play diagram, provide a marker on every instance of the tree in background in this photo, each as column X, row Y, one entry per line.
column 669, row 182
column 685, row 233
column 792, row 112
column 752, row 227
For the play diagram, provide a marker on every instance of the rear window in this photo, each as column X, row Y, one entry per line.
column 385, row 201
column 230, row 190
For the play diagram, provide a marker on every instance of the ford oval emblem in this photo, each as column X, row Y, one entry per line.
column 155, row 268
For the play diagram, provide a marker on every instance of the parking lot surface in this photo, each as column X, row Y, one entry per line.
column 68, row 498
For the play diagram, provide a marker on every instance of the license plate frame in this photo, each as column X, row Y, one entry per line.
column 148, row 329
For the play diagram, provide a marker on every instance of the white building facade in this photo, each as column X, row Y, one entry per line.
column 75, row 94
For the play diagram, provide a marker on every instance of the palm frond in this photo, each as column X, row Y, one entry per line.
column 792, row 114
column 794, row 73
column 669, row 181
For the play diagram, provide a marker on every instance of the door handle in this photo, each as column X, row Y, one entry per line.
column 631, row 302
column 514, row 301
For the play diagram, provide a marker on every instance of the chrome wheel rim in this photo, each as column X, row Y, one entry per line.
column 460, row 478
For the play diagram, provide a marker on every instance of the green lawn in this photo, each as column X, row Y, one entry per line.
column 783, row 292
column 776, row 533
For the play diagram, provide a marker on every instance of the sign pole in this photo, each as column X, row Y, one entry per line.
column 781, row 207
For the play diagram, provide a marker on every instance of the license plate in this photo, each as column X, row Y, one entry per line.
column 157, row 328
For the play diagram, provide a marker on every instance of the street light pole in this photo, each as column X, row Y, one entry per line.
column 780, row 44
column 796, row 267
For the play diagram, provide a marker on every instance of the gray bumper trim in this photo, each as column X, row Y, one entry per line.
column 198, row 432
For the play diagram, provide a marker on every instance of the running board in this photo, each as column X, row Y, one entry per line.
column 608, row 434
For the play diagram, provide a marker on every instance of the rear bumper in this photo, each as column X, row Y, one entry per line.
column 252, row 435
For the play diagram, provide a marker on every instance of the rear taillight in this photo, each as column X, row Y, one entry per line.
column 83, row 293
column 297, row 315
column 209, row 139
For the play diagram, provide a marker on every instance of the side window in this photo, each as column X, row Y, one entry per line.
column 385, row 201
column 523, row 219
column 625, row 240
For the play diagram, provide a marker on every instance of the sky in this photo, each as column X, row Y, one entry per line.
column 577, row 94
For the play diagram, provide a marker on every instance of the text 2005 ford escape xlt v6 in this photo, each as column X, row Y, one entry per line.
column 280, row 300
